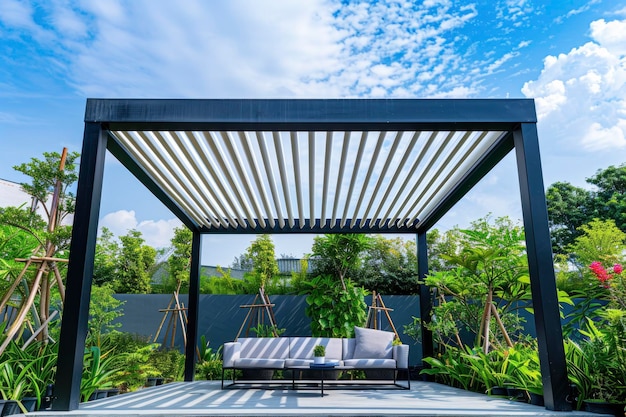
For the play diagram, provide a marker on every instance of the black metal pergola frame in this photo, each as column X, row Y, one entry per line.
column 106, row 118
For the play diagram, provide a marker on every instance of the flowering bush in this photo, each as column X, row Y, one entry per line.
column 613, row 280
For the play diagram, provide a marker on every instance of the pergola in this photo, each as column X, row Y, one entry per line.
column 309, row 166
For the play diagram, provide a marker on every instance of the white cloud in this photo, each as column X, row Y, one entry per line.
column 581, row 95
column 321, row 48
column 16, row 13
column 157, row 233
column 598, row 137
column 516, row 11
column 611, row 35
column 119, row 222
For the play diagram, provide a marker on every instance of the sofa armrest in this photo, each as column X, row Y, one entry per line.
column 401, row 355
column 230, row 354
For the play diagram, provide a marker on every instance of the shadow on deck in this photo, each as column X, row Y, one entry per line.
column 205, row 398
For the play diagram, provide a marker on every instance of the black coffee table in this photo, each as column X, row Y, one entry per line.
column 314, row 367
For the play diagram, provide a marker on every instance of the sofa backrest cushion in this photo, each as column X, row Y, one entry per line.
column 372, row 344
column 348, row 348
column 264, row 347
column 302, row 347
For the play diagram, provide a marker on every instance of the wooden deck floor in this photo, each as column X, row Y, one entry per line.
column 205, row 398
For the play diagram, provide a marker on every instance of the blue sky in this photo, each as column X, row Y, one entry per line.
column 569, row 55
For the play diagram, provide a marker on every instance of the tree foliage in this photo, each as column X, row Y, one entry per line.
column 338, row 254
column 103, row 310
column 264, row 265
column 440, row 244
column 179, row 262
column 599, row 241
column 490, row 266
column 242, row 262
column 389, row 266
column 334, row 311
column 51, row 179
column 14, row 243
column 105, row 260
column 45, row 175
column 570, row 207
column 133, row 264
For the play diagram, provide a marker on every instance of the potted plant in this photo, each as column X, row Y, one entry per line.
column 319, row 354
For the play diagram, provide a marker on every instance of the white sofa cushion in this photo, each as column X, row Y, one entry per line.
column 373, row 344
column 348, row 348
column 264, row 347
column 302, row 347
column 370, row 363
column 260, row 363
column 401, row 356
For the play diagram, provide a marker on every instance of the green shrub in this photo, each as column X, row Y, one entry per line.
column 334, row 311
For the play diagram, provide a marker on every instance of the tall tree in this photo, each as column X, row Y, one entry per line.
column 179, row 262
column 490, row 267
column 48, row 175
column 389, row 266
column 570, row 207
column 264, row 265
column 338, row 254
column 610, row 199
column 600, row 240
column 105, row 261
column 51, row 180
column 134, row 264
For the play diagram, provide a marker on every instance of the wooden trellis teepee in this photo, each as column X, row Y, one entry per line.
column 378, row 306
column 175, row 313
column 46, row 264
column 260, row 307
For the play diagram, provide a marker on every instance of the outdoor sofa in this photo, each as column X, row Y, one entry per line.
column 370, row 349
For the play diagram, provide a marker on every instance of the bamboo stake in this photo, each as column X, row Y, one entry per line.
column 496, row 315
column 57, row 275
column 245, row 320
column 43, row 304
column 35, row 333
column 22, row 314
column 387, row 310
column 156, row 337
column 457, row 336
column 487, row 322
column 54, row 207
column 11, row 290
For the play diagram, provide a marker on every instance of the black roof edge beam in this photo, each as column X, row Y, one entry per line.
column 310, row 114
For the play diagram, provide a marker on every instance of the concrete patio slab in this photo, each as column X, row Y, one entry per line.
column 205, row 398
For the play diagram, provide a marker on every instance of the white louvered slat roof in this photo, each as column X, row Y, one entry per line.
column 242, row 179
column 360, row 166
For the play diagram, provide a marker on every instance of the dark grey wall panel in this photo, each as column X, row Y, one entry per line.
column 220, row 316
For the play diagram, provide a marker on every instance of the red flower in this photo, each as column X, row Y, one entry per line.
column 617, row 268
column 599, row 271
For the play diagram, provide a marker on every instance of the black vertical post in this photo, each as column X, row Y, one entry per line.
column 193, row 305
column 425, row 301
column 80, row 270
column 541, row 268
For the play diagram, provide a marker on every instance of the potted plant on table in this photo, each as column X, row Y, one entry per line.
column 319, row 354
